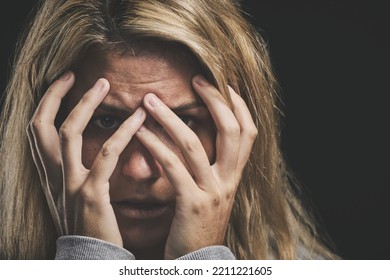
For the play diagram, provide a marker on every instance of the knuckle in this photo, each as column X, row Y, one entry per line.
column 232, row 129
column 86, row 195
column 65, row 133
column 229, row 195
column 252, row 132
column 171, row 161
column 230, row 188
column 191, row 145
column 108, row 150
column 215, row 200
column 85, row 99
column 35, row 125
column 197, row 207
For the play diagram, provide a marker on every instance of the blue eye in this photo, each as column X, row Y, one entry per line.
column 106, row 122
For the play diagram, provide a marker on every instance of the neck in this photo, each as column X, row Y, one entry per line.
column 153, row 253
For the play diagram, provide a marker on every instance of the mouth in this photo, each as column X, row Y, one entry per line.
column 140, row 209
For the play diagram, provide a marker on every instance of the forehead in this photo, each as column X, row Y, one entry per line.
column 131, row 76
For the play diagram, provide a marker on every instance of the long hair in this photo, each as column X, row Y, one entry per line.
column 267, row 220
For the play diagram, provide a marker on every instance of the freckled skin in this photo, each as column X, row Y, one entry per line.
column 137, row 175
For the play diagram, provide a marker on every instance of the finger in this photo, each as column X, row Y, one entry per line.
column 186, row 139
column 42, row 127
column 228, row 129
column 72, row 128
column 248, row 129
column 107, row 159
column 51, row 100
column 173, row 167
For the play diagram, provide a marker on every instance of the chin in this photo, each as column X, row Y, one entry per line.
column 145, row 239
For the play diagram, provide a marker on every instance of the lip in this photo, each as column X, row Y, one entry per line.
column 140, row 209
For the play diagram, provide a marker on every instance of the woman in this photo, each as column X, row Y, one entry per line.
column 151, row 134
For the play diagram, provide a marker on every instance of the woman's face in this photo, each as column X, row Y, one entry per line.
column 141, row 195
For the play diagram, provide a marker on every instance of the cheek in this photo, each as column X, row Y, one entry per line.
column 91, row 148
column 167, row 140
column 207, row 137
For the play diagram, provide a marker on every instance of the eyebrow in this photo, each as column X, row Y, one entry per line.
column 115, row 109
column 125, row 111
column 182, row 108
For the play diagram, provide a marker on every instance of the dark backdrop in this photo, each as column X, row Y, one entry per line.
column 332, row 61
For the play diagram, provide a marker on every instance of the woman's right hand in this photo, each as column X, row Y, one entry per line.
column 78, row 198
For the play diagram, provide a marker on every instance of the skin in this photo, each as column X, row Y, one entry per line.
column 137, row 171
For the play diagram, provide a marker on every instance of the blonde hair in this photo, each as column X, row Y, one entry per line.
column 267, row 219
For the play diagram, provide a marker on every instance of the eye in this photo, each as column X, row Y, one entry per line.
column 106, row 122
column 189, row 121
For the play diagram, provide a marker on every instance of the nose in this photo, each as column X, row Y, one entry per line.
column 138, row 164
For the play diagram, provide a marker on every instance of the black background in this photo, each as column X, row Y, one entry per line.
column 332, row 61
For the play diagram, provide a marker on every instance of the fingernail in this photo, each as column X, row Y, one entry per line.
column 142, row 128
column 66, row 76
column 153, row 100
column 201, row 81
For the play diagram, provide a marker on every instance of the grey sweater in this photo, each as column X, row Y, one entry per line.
column 74, row 247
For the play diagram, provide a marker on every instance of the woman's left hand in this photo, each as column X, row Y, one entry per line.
column 205, row 196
